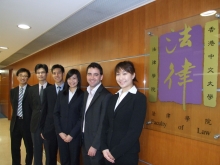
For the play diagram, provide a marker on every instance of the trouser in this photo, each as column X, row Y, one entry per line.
column 17, row 135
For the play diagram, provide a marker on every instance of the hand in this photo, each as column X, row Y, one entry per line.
column 92, row 151
column 42, row 136
column 108, row 156
column 62, row 135
column 68, row 139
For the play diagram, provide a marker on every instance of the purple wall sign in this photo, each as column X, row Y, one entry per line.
column 181, row 65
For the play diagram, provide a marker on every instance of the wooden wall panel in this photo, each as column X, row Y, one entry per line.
column 117, row 40
column 166, row 149
column 75, row 48
column 123, row 36
column 133, row 33
column 83, row 75
column 4, row 92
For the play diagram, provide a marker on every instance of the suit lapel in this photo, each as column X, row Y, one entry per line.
column 126, row 99
column 54, row 92
column 48, row 85
column 37, row 92
column 26, row 92
column 85, row 100
column 97, row 93
column 74, row 97
column 16, row 96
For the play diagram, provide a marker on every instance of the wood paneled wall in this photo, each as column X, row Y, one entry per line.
column 119, row 39
column 4, row 92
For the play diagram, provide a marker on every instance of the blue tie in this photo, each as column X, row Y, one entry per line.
column 58, row 89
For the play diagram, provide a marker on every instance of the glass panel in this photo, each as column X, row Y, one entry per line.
column 197, row 121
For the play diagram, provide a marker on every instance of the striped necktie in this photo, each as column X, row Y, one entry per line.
column 20, row 98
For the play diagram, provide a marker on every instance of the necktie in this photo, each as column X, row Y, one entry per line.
column 20, row 98
column 58, row 89
column 41, row 93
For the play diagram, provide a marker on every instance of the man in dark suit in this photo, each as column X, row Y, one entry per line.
column 95, row 102
column 47, row 123
column 21, row 117
column 35, row 99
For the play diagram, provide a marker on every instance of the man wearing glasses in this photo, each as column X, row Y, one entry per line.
column 35, row 100
column 21, row 117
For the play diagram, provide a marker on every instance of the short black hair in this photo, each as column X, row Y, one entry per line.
column 69, row 74
column 58, row 66
column 95, row 65
column 23, row 70
column 38, row 66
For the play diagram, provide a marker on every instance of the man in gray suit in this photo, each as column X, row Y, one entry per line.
column 95, row 101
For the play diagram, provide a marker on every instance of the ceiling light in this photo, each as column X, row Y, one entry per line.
column 23, row 26
column 3, row 47
column 208, row 13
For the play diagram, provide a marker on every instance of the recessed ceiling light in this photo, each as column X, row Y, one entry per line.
column 208, row 13
column 23, row 26
column 3, row 47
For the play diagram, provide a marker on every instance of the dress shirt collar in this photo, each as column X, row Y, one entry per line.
column 24, row 87
column 92, row 92
column 132, row 90
column 61, row 86
column 44, row 85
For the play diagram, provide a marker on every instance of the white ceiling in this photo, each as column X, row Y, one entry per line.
column 51, row 21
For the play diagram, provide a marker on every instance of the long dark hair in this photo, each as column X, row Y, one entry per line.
column 69, row 74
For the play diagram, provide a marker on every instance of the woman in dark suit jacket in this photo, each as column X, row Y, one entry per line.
column 67, row 119
column 124, row 119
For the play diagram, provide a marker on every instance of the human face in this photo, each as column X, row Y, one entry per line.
column 94, row 77
column 124, row 79
column 72, row 81
column 22, row 78
column 57, row 75
column 41, row 75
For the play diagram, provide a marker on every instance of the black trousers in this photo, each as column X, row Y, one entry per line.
column 17, row 135
column 51, row 148
column 69, row 152
column 38, row 147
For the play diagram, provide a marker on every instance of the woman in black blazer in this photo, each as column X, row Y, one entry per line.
column 124, row 119
column 67, row 118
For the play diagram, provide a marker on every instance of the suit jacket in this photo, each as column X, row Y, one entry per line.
column 122, row 127
column 36, row 106
column 94, row 117
column 47, row 123
column 14, row 93
column 67, row 115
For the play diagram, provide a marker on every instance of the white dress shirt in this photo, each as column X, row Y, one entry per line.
column 122, row 95
column 44, row 86
column 71, row 94
column 89, row 99
column 61, row 87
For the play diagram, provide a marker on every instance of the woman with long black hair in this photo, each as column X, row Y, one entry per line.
column 67, row 118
